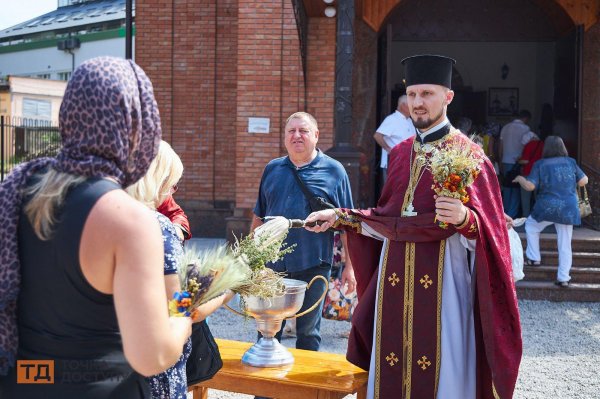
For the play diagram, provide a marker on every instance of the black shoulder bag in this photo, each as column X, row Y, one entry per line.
column 205, row 359
column 316, row 203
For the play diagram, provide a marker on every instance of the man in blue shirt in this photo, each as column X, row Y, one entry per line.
column 280, row 195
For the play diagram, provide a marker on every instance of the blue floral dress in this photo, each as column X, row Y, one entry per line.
column 172, row 383
column 556, row 180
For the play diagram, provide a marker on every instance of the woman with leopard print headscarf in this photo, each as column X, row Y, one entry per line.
column 75, row 248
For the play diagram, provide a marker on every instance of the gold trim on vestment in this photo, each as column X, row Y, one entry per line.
column 379, row 317
column 347, row 220
column 440, row 280
column 409, row 299
column 404, row 316
column 419, row 162
column 496, row 396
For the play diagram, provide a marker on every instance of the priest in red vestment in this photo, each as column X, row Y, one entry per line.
column 437, row 314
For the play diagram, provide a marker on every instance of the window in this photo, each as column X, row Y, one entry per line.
column 34, row 23
column 43, row 76
column 64, row 75
column 48, row 20
column 38, row 109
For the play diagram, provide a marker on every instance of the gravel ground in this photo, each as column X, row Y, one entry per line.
column 561, row 354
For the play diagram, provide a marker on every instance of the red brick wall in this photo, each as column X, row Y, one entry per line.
column 226, row 99
column 269, row 85
column 214, row 64
column 153, row 43
column 188, row 48
column 194, row 95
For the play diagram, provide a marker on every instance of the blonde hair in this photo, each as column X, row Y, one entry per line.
column 305, row 116
column 164, row 172
column 47, row 195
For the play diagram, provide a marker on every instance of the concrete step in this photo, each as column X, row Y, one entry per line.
column 577, row 245
column 587, row 275
column 543, row 290
column 580, row 259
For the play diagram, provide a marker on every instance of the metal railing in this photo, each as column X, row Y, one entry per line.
column 24, row 139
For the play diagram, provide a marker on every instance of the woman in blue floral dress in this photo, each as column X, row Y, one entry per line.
column 556, row 177
column 171, row 383
column 163, row 174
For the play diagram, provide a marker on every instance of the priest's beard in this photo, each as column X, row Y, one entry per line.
column 424, row 124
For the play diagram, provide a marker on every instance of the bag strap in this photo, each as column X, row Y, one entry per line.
column 309, row 196
column 580, row 190
column 585, row 194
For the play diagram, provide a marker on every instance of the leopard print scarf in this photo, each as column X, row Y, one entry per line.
column 110, row 126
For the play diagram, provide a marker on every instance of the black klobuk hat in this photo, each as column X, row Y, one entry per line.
column 428, row 69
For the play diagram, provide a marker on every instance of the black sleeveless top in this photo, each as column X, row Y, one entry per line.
column 61, row 317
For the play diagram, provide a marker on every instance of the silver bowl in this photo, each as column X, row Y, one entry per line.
column 269, row 314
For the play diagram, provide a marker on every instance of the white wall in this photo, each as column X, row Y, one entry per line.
column 51, row 60
column 479, row 63
column 36, row 89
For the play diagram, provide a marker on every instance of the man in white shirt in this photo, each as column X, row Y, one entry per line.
column 528, row 137
column 512, row 136
column 394, row 129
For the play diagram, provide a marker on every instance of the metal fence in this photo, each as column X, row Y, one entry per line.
column 24, row 139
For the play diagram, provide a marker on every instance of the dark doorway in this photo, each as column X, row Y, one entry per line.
column 528, row 48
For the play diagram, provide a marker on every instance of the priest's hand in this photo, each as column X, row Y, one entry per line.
column 324, row 218
column 450, row 210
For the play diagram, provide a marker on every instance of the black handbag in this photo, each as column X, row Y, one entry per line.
column 205, row 359
column 316, row 203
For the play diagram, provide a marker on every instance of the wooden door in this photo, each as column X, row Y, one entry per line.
column 567, row 89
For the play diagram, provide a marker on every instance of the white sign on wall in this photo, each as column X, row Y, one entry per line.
column 258, row 125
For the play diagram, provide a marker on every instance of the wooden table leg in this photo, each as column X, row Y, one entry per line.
column 200, row 392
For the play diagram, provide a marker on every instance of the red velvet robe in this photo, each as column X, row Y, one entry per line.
column 497, row 324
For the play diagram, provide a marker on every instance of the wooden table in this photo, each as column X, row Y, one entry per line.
column 314, row 375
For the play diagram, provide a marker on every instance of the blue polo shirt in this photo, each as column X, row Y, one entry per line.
column 280, row 195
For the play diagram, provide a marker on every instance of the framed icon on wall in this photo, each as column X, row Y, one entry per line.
column 503, row 101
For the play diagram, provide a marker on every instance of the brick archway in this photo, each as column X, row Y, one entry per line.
column 579, row 12
column 561, row 15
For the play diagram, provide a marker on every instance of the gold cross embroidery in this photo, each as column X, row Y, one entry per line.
column 473, row 228
column 426, row 281
column 393, row 279
column 392, row 359
column 423, row 362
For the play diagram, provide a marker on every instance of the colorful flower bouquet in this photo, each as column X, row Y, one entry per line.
column 454, row 168
column 204, row 276
column 242, row 269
